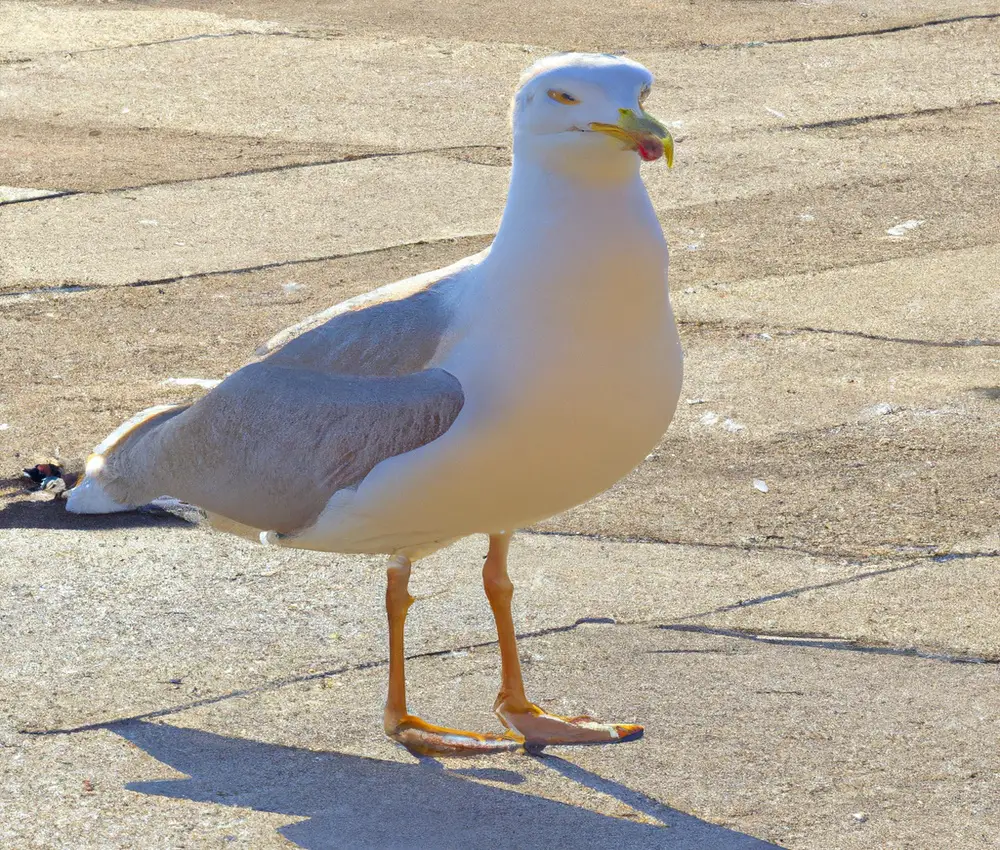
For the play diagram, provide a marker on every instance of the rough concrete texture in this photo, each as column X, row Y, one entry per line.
column 795, row 592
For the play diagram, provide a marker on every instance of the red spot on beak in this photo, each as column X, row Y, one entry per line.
column 650, row 148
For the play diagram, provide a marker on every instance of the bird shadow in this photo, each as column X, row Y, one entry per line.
column 350, row 801
column 20, row 511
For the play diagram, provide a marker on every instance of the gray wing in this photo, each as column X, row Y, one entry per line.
column 394, row 330
column 270, row 445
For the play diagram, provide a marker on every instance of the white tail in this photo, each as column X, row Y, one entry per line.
column 88, row 497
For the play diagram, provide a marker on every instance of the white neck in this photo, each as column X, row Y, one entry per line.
column 593, row 237
column 545, row 200
column 577, row 267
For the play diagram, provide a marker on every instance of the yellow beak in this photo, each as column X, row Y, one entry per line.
column 642, row 133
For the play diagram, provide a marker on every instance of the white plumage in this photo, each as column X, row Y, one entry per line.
column 477, row 399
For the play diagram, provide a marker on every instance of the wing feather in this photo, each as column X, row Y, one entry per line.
column 271, row 444
column 394, row 330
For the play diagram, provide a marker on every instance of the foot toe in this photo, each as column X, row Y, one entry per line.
column 540, row 729
column 427, row 739
column 629, row 732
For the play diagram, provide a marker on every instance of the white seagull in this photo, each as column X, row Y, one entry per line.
column 477, row 399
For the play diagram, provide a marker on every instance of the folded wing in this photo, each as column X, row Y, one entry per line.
column 333, row 396
column 270, row 445
column 394, row 330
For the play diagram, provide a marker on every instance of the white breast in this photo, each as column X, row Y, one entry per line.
column 566, row 395
column 571, row 368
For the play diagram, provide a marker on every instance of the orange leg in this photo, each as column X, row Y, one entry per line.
column 415, row 734
column 525, row 719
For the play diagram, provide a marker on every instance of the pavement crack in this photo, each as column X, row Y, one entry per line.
column 309, row 35
column 974, row 342
column 901, row 550
column 812, row 640
column 914, row 563
column 802, row 39
column 49, row 197
column 162, row 281
column 298, row 262
column 308, row 677
column 270, row 169
column 954, row 343
column 914, row 560
column 140, row 44
column 664, row 541
column 888, row 116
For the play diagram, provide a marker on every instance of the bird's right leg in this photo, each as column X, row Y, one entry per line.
column 415, row 734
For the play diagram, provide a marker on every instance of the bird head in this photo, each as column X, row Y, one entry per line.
column 587, row 110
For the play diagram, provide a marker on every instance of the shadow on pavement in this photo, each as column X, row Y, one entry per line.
column 355, row 802
column 21, row 512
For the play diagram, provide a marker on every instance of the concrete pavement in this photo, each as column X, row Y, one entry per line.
column 816, row 665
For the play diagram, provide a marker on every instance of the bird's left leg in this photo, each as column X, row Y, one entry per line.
column 415, row 734
column 520, row 716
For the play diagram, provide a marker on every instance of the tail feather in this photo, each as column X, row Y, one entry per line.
column 88, row 497
column 120, row 475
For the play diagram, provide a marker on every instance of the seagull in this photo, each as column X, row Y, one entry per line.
column 477, row 399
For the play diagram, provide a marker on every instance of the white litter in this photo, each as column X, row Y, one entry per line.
column 291, row 286
column 204, row 383
column 775, row 112
column 760, row 484
column 904, row 227
column 696, row 401
column 709, row 418
column 4, row 426
column 734, row 427
column 806, row 217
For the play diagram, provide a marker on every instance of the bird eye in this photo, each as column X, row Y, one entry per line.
column 643, row 95
column 563, row 97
